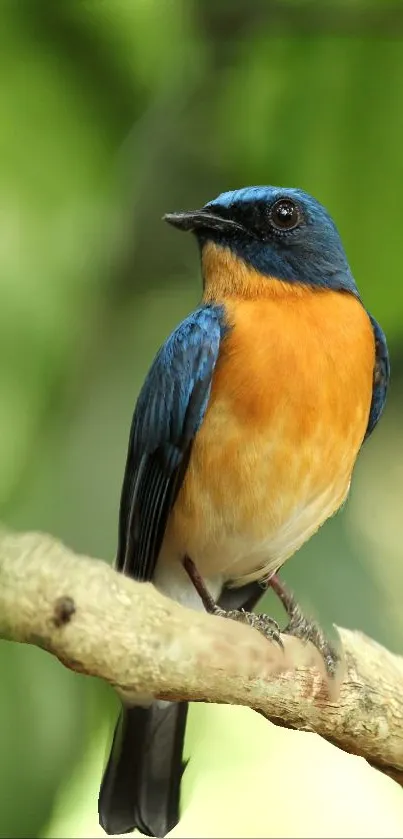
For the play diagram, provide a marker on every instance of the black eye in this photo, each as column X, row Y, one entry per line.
column 285, row 214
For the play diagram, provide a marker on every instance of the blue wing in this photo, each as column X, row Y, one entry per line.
column 381, row 377
column 168, row 414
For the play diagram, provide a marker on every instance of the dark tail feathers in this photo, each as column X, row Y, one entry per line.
column 141, row 784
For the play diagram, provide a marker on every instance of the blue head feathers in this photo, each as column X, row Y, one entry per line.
column 283, row 233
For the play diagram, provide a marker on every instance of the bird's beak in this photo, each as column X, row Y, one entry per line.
column 194, row 220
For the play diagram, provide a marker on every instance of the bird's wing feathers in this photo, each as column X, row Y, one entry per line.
column 168, row 414
column 381, row 377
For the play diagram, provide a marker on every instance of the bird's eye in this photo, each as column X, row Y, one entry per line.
column 285, row 214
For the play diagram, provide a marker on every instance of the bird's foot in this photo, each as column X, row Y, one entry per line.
column 304, row 628
column 266, row 625
column 263, row 623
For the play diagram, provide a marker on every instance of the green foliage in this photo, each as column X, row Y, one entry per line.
column 112, row 113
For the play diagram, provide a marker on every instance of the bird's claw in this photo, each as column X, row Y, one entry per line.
column 304, row 628
column 307, row 630
column 264, row 624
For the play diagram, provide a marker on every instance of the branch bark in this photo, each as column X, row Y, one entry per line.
column 98, row 622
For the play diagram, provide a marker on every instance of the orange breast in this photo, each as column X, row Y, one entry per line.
column 288, row 412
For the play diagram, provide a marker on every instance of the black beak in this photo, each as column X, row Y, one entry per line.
column 194, row 220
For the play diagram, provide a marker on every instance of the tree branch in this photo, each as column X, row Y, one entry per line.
column 101, row 623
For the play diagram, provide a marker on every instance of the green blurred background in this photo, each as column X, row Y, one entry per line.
column 113, row 112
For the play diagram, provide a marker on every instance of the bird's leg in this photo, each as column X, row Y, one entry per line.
column 263, row 623
column 199, row 584
column 302, row 627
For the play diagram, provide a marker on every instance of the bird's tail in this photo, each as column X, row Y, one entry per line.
column 141, row 784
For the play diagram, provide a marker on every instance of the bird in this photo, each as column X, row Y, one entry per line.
column 242, row 444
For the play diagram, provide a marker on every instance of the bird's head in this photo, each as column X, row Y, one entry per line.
column 278, row 233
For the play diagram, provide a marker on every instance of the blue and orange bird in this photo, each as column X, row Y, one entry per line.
column 243, row 442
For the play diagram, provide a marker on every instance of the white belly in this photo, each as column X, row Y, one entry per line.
column 267, row 556
column 236, row 557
